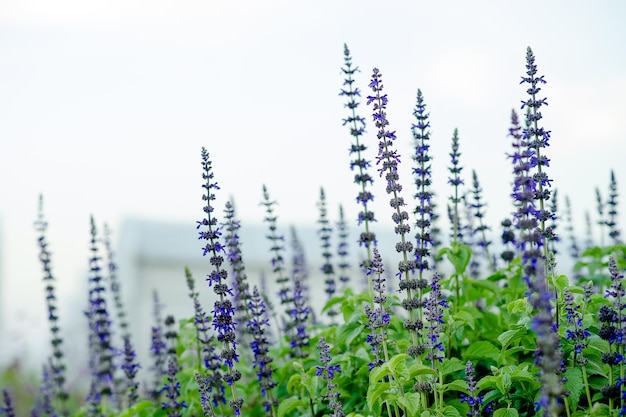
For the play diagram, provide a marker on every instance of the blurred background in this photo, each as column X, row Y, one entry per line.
column 105, row 105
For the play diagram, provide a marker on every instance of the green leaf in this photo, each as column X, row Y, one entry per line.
column 520, row 306
column 420, row 369
column 288, row 405
column 574, row 384
column 465, row 317
column 378, row 373
column 410, row 403
column 348, row 332
column 509, row 336
column 506, row 412
column 294, row 384
column 561, row 282
column 457, row 385
column 459, row 256
column 452, row 365
column 396, row 360
column 450, row 411
column 482, row 350
column 375, row 391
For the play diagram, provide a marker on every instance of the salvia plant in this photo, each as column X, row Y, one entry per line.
column 474, row 326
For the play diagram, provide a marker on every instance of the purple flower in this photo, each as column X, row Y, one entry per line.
column 537, row 138
column 473, row 400
column 7, row 409
column 130, row 368
column 548, row 354
column 576, row 332
column 434, row 322
column 257, row 325
column 388, row 160
column 378, row 320
column 327, row 372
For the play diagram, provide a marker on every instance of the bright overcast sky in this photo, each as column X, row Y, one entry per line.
column 105, row 105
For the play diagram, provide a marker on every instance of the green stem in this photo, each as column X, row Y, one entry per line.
column 586, row 381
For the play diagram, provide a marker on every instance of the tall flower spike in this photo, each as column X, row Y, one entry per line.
column 130, row 368
column 102, row 350
column 574, row 249
column 378, row 320
column 158, row 348
column 455, row 181
column 388, row 160
column 525, row 220
column 576, row 331
column 238, row 270
column 343, row 266
column 324, row 232
column 223, row 310
column 554, row 239
column 57, row 362
column 601, row 219
column 422, row 174
column 114, row 284
column 473, row 400
column 277, row 249
column 612, row 216
column 207, row 357
column 588, row 231
column 548, row 354
column 470, row 232
column 362, row 178
column 478, row 207
column 257, row 324
column 434, row 322
column 43, row 402
column 171, row 387
column 538, row 139
column 300, row 308
column 327, row 372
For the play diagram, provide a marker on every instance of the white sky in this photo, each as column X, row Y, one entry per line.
column 104, row 106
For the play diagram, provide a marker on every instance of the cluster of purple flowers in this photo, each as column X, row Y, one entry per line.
column 327, row 372
column 434, row 322
column 472, row 399
column 257, row 325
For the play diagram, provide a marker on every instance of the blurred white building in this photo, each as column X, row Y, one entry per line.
column 152, row 257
